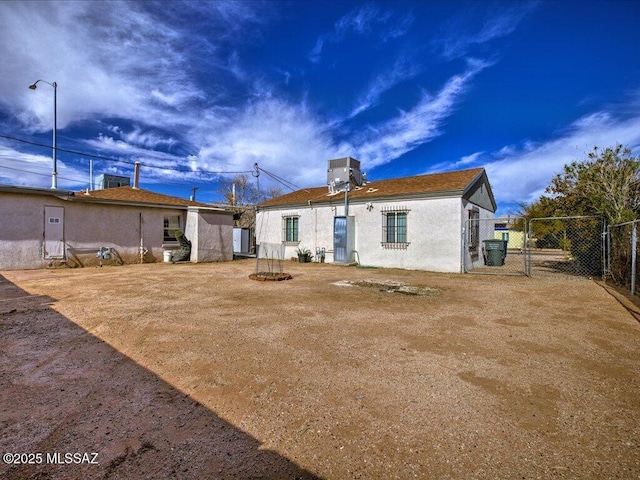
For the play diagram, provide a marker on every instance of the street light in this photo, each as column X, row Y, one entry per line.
column 54, row 175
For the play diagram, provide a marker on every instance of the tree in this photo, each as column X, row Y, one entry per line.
column 239, row 191
column 242, row 194
column 606, row 184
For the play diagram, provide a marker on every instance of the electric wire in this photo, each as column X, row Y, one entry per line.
column 284, row 182
column 128, row 162
column 291, row 186
column 31, row 172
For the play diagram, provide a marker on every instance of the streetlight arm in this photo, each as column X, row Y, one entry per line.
column 34, row 85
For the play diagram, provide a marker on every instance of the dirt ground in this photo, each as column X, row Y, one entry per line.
column 194, row 371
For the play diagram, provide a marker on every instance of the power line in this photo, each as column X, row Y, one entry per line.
column 284, row 182
column 291, row 186
column 41, row 174
column 128, row 162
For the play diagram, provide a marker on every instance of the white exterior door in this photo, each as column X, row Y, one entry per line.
column 54, row 232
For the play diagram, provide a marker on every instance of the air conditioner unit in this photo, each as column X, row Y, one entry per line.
column 343, row 170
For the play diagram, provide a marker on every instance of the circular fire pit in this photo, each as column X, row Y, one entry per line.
column 270, row 277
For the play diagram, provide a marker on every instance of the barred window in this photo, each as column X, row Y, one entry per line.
column 394, row 228
column 290, row 229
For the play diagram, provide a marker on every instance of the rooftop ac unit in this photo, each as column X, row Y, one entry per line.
column 112, row 181
column 343, row 170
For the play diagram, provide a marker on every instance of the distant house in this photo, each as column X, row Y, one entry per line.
column 505, row 231
column 413, row 222
column 47, row 227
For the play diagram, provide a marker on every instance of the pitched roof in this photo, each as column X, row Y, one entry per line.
column 117, row 196
column 448, row 183
column 137, row 195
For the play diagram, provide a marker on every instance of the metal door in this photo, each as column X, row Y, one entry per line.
column 54, row 232
column 340, row 239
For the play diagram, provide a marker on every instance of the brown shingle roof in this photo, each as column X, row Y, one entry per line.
column 448, row 182
column 137, row 195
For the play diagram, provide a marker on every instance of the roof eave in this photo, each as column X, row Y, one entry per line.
column 68, row 195
column 482, row 175
column 458, row 193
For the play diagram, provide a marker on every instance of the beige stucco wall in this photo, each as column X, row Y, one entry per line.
column 21, row 230
column 211, row 235
column 434, row 230
column 88, row 226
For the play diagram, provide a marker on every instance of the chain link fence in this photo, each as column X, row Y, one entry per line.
column 622, row 255
column 495, row 246
column 540, row 247
column 566, row 245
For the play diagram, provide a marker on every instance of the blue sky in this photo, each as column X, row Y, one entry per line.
column 190, row 89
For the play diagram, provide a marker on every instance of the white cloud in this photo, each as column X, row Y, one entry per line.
column 282, row 138
column 522, row 174
column 34, row 170
column 401, row 70
column 458, row 38
column 367, row 19
column 109, row 59
column 409, row 130
column 469, row 159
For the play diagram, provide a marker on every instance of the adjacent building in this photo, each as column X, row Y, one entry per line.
column 42, row 228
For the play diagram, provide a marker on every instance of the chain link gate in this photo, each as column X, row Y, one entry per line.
column 566, row 245
column 623, row 268
column 495, row 246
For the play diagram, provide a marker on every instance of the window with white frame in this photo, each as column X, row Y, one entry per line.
column 171, row 225
column 290, row 229
column 394, row 228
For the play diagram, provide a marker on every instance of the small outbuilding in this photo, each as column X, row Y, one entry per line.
column 42, row 228
column 412, row 222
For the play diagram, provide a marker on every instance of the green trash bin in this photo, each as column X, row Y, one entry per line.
column 494, row 252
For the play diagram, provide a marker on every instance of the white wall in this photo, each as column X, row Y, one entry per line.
column 434, row 232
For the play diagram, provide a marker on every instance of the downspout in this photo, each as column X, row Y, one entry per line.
column 315, row 225
column 346, row 200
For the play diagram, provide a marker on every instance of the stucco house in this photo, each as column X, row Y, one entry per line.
column 413, row 222
column 41, row 228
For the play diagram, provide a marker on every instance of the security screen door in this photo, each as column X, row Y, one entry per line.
column 340, row 239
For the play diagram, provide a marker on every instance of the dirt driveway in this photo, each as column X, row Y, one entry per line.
column 194, row 371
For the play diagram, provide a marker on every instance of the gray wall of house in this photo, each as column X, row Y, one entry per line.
column 87, row 227
column 211, row 235
column 434, row 229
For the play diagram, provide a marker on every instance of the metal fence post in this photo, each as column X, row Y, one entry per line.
column 633, row 258
column 525, row 247
column 608, row 250
column 529, row 244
